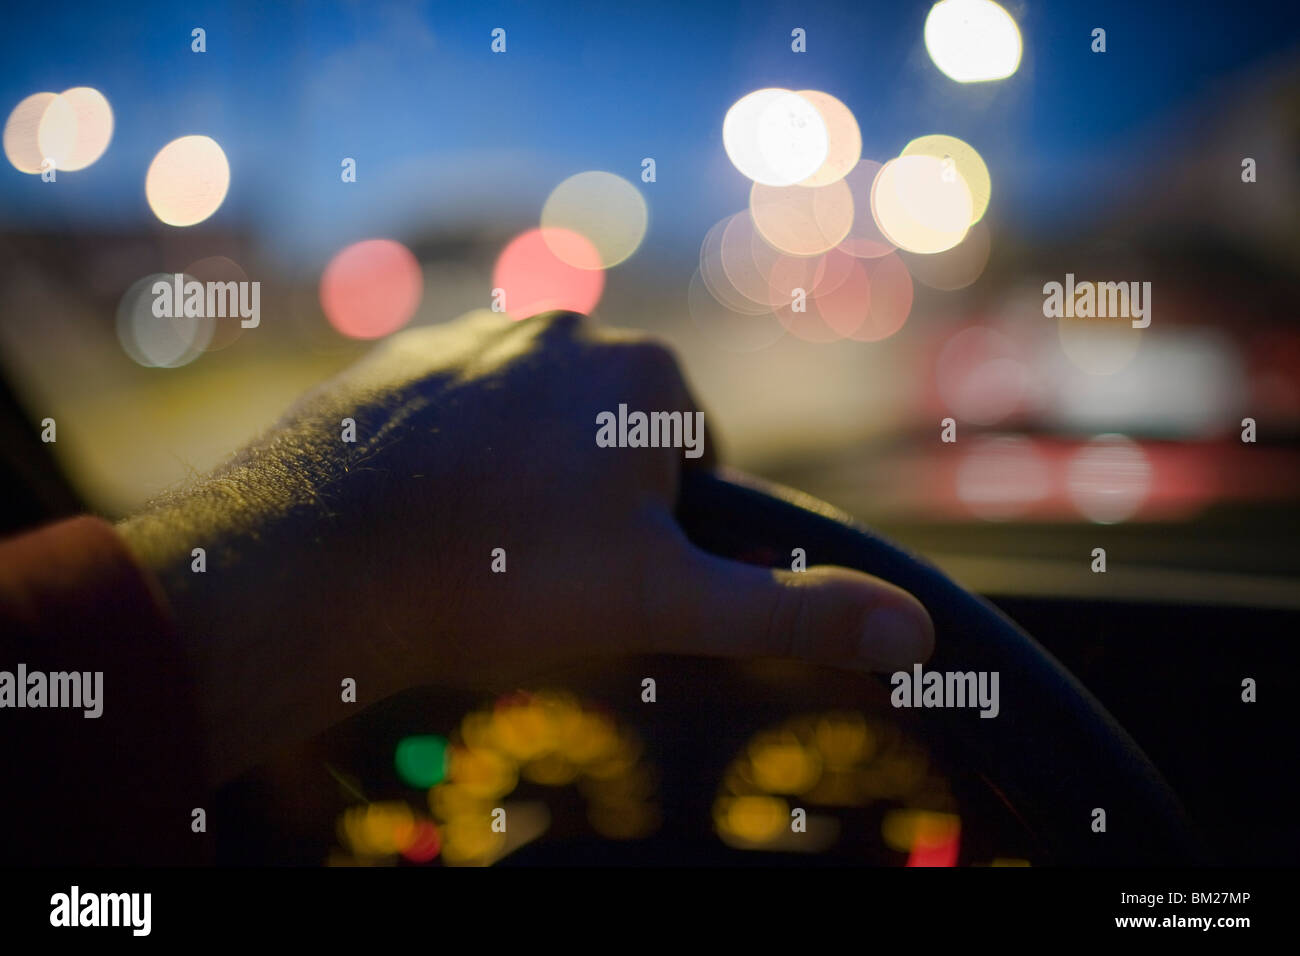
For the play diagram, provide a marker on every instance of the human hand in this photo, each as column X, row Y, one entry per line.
column 373, row 560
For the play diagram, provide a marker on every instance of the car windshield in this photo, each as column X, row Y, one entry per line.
column 1104, row 353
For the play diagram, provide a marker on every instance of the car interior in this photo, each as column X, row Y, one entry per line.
column 1103, row 518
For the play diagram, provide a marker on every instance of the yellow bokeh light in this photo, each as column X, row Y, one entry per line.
column 587, row 738
column 905, row 830
column 187, row 181
column 844, row 739
column 844, row 139
column 449, row 800
column 751, row 819
column 921, row 204
column 550, row 770
column 972, row 41
column 377, row 829
column 782, row 764
column 546, row 738
column 480, row 773
column 619, row 760
column 478, row 730
column 605, row 209
column 469, row 841
column 634, row 783
column 522, row 731
column 966, row 161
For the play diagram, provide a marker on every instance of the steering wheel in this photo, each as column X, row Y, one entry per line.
column 1053, row 752
column 1050, row 758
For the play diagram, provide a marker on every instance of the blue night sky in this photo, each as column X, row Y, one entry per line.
column 446, row 133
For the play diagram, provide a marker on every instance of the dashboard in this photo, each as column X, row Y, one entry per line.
column 661, row 760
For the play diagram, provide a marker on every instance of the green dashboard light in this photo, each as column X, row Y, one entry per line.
column 422, row 761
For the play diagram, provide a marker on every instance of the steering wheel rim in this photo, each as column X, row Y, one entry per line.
column 1053, row 751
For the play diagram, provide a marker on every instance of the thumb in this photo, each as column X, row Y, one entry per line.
column 825, row 615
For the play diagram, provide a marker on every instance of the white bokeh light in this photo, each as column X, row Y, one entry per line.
column 972, row 41
column 775, row 137
column 159, row 342
column 1109, row 478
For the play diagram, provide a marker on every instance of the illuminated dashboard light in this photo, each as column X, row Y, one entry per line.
column 906, row 829
column 755, row 820
column 422, row 761
column 424, row 842
column 550, row 770
column 449, row 801
column 844, row 739
column 482, row 773
column 781, row 764
column 377, row 829
column 470, row 841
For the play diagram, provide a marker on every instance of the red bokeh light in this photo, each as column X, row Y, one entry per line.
column 371, row 288
column 535, row 279
column 425, row 842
